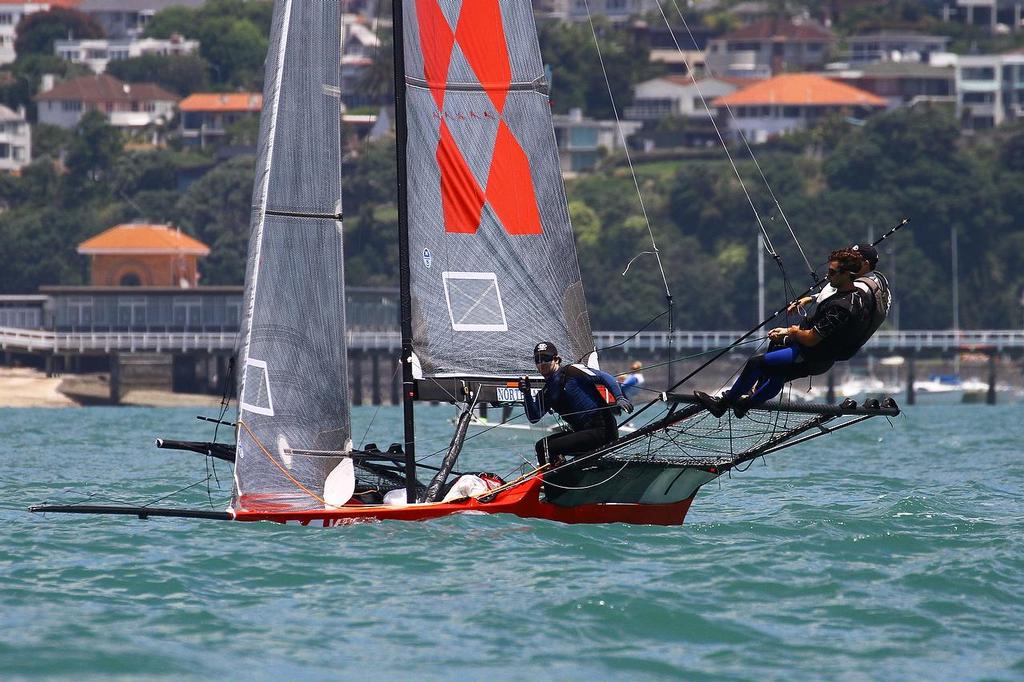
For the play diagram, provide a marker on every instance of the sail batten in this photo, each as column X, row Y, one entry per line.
column 293, row 393
column 492, row 259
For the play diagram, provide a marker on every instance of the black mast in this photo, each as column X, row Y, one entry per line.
column 408, row 385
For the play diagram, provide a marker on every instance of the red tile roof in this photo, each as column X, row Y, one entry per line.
column 773, row 29
column 222, row 101
column 800, row 89
column 104, row 88
column 138, row 238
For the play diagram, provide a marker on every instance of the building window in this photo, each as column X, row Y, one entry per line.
column 6, row 19
column 71, row 105
column 5, row 150
column 978, row 73
column 130, row 280
column 978, row 98
column 790, row 112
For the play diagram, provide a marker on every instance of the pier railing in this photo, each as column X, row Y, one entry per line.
column 86, row 342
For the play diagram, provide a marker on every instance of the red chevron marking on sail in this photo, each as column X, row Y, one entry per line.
column 461, row 196
column 436, row 40
column 480, row 35
column 510, row 186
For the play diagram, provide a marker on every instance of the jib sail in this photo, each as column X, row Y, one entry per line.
column 292, row 386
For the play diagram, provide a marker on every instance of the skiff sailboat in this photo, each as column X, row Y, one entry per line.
column 488, row 267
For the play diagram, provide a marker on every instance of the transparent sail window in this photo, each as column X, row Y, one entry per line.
column 474, row 302
column 257, row 397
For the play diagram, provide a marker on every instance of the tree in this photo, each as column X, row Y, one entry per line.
column 37, row 32
column 183, row 74
column 216, row 209
column 94, row 147
column 49, row 140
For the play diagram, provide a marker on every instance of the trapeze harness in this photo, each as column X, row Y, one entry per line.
column 585, row 399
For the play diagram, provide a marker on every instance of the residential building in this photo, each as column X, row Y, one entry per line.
column 134, row 106
column 128, row 18
column 583, row 142
column 680, row 51
column 895, row 46
column 551, row 9
column 616, row 10
column 902, row 83
column 206, row 116
column 96, row 53
column 793, row 101
column 15, row 140
column 144, row 255
column 684, row 96
column 989, row 89
column 999, row 16
column 12, row 12
column 768, row 47
column 360, row 46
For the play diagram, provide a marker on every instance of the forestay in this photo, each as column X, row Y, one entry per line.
column 292, row 389
column 492, row 261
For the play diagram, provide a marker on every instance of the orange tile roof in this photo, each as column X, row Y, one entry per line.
column 138, row 238
column 222, row 101
column 798, row 89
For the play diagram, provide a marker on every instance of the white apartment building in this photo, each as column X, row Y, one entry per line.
column 582, row 142
column 128, row 18
column 989, row 89
column 13, row 11
column 896, row 46
column 15, row 140
column 96, row 53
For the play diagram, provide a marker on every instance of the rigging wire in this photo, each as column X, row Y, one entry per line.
column 629, row 161
column 746, row 143
column 769, row 247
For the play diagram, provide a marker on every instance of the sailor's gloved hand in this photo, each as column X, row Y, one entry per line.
column 626, row 406
column 524, row 385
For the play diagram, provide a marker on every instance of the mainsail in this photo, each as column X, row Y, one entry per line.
column 293, row 393
column 492, row 260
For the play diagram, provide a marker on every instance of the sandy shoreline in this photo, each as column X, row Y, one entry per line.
column 28, row 387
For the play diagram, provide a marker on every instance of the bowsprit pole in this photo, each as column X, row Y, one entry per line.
column 747, row 335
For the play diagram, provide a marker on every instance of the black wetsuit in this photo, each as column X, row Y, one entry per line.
column 841, row 321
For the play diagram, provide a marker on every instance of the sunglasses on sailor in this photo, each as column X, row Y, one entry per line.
column 543, row 359
column 837, row 271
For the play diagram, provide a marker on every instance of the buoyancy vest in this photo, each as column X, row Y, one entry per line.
column 877, row 287
column 842, row 344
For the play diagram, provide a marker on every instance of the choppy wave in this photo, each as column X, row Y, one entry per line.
column 876, row 554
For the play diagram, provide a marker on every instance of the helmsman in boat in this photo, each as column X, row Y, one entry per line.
column 587, row 399
column 841, row 324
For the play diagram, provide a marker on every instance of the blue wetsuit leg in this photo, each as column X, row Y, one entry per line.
column 759, row 369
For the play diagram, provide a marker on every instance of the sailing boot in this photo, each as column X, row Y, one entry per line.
column 716, row 406
column 740, row 407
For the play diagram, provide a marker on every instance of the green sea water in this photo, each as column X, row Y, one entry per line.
column 880, row 553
